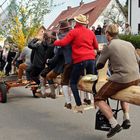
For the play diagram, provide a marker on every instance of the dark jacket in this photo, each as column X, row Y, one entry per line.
column 67, row 50
column 1, row 52
column 10, row 56
column 38, row 55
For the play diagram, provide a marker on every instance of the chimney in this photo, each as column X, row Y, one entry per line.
column 81, row 3
column 68, row 7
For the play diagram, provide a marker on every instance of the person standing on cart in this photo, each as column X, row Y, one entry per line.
column 124, row 64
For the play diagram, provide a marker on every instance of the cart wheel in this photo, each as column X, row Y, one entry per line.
column 3, row 93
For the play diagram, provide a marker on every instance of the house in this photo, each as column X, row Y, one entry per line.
column 99, row 12
column 134, row 16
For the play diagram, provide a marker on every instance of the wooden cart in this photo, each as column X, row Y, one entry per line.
column 9, row 82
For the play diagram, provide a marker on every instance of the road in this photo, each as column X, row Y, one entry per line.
column 26, row 118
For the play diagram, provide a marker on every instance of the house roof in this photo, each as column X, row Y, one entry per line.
column 92, row 10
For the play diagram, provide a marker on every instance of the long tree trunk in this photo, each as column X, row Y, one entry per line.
column 130, row 95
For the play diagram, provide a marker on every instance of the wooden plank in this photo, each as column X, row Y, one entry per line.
column 15, row 84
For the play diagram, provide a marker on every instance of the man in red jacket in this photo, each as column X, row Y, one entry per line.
column 84, row 43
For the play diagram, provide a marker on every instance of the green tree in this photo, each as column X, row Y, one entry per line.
column 125, row 8
column 24, row 17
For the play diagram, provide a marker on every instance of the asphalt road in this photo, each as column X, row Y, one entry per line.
column 26, row 118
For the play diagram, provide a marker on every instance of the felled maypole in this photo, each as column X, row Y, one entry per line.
column 130, row 94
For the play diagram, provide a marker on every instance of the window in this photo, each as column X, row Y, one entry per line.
column 138, row 28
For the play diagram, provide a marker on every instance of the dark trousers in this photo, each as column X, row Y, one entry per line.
column 77, row 71
column 35, row 72
column 66, row 74
column 8, row 68
column 2, row 64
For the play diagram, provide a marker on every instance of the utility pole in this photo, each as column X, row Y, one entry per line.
column 130, row 12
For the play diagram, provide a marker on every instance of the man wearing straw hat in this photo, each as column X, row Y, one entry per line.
column 83, row 42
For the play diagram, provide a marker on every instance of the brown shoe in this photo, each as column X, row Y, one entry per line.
column 38, row 89
column 46, row 95
column 68, row 106
column 60, row 93
column 53, row 96
column 19, row 81
column 39, row 94
column 79, row 109
column 87, row 102
column 114, row 130
column 126, row 124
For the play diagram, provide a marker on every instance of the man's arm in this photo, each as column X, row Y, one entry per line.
column 66, row 40
column 33, row 44
column 104, row 56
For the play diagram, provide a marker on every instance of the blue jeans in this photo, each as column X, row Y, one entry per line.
column 77, row 71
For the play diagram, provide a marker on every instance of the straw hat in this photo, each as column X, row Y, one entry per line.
column 81, row 19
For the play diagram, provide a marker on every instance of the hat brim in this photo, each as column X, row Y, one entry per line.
column 67, row 27
column 85, row 23
column 51, row 36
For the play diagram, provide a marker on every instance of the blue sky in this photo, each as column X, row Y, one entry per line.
column 57, row 10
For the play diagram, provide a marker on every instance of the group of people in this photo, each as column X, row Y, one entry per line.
column 72, row 53
column 7, row 55
column 63, row 59
column 123, row 68
column 99, row 30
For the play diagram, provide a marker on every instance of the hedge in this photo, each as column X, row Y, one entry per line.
column 134, row 39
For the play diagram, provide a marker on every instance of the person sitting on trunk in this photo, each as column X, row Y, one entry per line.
column 83, row 42
column 124, row 66
column 58, row 62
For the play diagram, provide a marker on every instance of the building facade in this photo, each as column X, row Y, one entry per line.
column 99, row 12
column 113, row 13
column 134, row 16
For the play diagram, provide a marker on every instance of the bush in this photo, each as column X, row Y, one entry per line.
column 134, row 39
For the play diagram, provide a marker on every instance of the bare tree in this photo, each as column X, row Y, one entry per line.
column 114, row 15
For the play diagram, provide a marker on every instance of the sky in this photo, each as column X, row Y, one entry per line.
column 55, row 11
column 49, row 18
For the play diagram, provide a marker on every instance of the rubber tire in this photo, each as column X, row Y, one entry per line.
column 3, row 92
